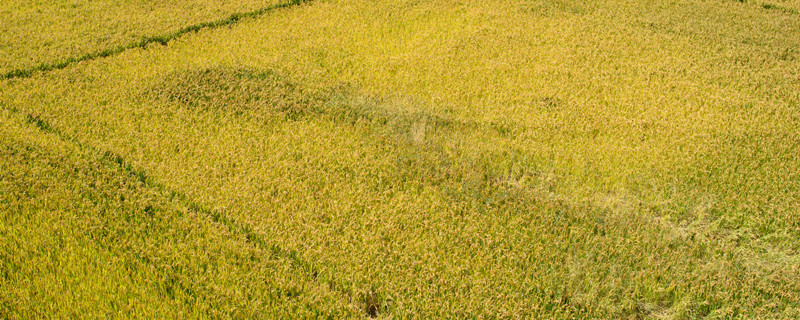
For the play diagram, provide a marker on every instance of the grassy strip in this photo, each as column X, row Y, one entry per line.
column 158, row 39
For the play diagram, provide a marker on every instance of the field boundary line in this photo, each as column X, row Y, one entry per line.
column 163, row 39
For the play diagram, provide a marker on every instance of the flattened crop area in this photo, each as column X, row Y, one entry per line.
column 400, row 159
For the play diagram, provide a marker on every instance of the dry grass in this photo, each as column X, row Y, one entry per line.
column 517, row 159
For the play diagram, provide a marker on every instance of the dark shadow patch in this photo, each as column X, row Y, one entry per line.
column 788, row 54
column 503, row 128
column 39, row 123
column 236, row 90
column 556, row 7
column 771, row 6
column 398, row 118
column 269, row 96
column 373, row 304
column 666, row 28
column 552, row 103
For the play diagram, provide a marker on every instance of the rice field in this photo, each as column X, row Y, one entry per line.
column 615, row 159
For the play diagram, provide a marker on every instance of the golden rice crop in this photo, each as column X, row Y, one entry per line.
column 82, row 237
column 41, row 34
column 462, row 159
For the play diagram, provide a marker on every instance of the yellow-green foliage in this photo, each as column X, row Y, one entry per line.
column 462, row 159
column 42, row 32
column 82, row 237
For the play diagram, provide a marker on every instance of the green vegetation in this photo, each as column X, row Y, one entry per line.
column 396, row 159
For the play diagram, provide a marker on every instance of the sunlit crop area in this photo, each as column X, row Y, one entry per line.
column 401, row 159
column 43, row 33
